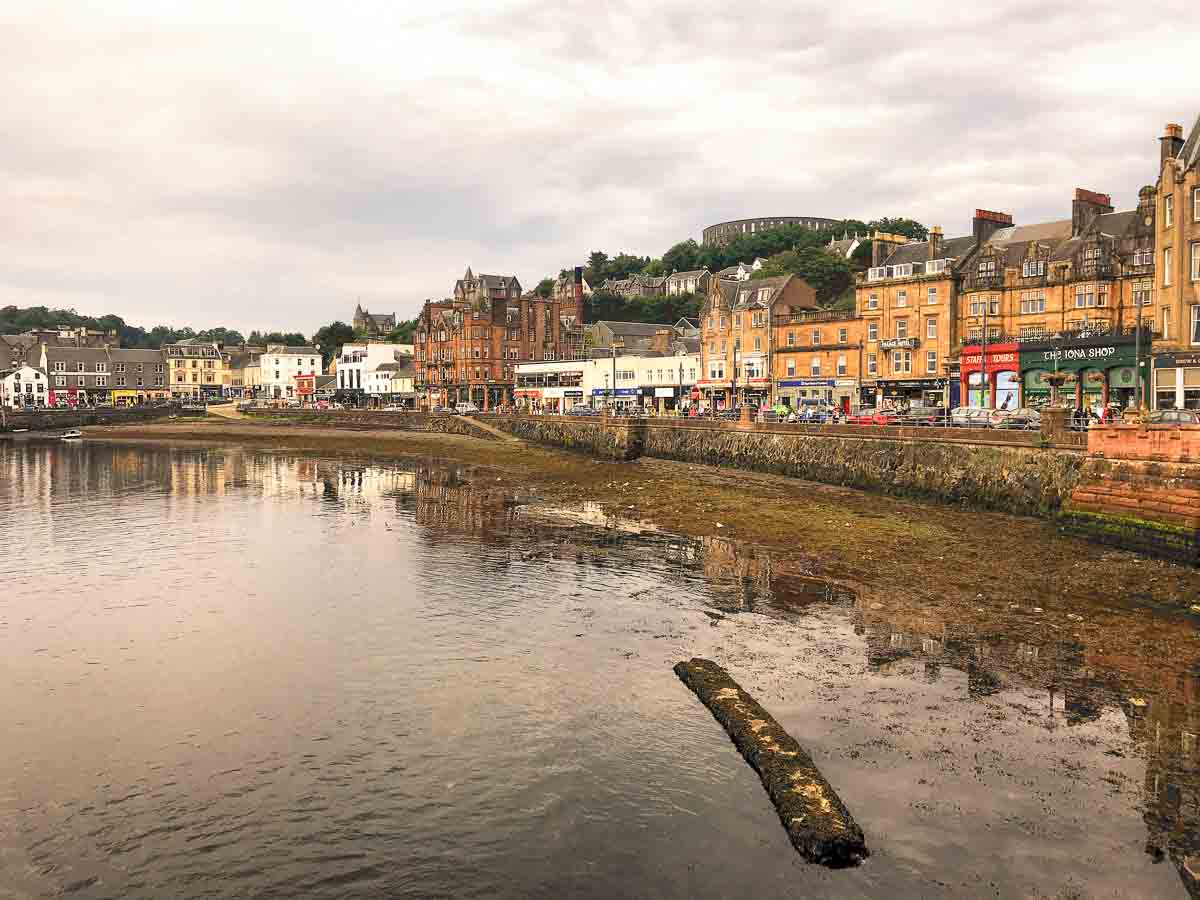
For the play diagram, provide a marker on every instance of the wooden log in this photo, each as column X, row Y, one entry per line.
column 817, row 822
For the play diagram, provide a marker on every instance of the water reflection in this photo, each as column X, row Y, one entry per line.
column 379, row 591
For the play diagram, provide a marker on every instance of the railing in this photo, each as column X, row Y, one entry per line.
column 805, row 348
column 1096, row 268
column 815, row 315
column 1062, row 334
column 992, row 282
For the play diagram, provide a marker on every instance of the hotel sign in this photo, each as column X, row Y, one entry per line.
column 899, row 344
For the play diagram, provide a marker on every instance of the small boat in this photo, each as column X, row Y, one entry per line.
column 72, row 435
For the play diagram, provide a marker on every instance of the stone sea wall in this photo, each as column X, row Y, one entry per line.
column 1021, row 478
column 53, row 420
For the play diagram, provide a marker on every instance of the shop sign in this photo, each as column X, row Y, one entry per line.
column 1000, row 357
column 910, row 343
column 1176, row 360
column 904, row 383
column 619, row 392
column 806, row 382
column 1100, row 356
column 534, row 394
column 664, row 392
column 573, row 392
column 846, row 382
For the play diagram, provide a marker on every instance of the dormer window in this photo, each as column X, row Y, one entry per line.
column 1033, row 268
column 764, row 294
column 935, row 266
column 902, row 271
column 1091, row 253
column 877, row 273
column 1143, row 257
column 987, row 267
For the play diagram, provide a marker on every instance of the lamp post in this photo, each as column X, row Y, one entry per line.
column 1056, row 379
column 607, row 402
column 679, row 390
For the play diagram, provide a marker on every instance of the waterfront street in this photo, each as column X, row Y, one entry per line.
column 427, row 675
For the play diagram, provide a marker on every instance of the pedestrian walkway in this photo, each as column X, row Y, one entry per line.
column 491, row 429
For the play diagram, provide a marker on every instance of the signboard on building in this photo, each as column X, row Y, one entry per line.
column 1000, row 358
column 1076, row 358
column 806, row 382
column 907, row 343
column 1177, row 360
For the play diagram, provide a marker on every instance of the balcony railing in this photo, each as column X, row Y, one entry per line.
column 1064, row 334
column 991, row 282
column 1096, row 268
column 814, row 315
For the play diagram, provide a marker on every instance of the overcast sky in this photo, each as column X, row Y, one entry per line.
column 266, row 165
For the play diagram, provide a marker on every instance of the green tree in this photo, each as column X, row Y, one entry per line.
column 545, row 288
column 682, row 257
column 403, row 332
column 654, row 269
column 908, row 227
column 829, row 276
column 331, row 337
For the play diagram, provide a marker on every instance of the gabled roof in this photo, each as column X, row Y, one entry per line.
column 749, row 293
column 689, row 274
column 639, row 329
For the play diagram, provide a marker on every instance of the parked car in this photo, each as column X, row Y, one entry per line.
column 441, row 411
column 869, row 416
column 582, row 409
column 466, row 409
column 1023, row 418
column 927, row 416
column 1174, row 417
column 969, row 417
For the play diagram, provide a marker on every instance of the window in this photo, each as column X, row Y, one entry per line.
column 931, row 361
column 1168, row 211
column 841, row 364
column 876, row 273
column 1167, row 267
column 1195, row 260
column 737, row 321
column 931, row 328
column 872, row 331
column 993, row 332
column 994, row 306
column 1143, row 257
column 1033, row 302
column 60, row 380
column 1085, row 295
column 1033, row 268
column 759, row 319
column 791, row 367
column 931, row 296
column 902, row 271
column 974, row 335
column 872, row 364
column 987, row 267
column 934, row 266
column 902, row 328
column 1032, row 332
column 872, row 301
column 816, row 336
column 1196, row 324
column 902, row 298
column 60, row 367
column 102, row 380
column 764, row 294
column 1196, row 204
column 842, row 335
column 902, row 361
column 79, row 367
column 791, row 339
column 103, row 367
column 975, row 307
column 814, row 365
column 757, row 342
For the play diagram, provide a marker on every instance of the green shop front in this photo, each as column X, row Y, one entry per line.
column 1098, row 371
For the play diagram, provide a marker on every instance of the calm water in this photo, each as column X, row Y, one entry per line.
column 244, row 674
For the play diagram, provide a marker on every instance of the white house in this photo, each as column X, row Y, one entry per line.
column 356, row 362
column 24, row 386
column 393, row 381
column 280, row 364
column 661, row 382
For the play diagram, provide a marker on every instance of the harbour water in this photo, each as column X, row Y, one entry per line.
column 260, row 674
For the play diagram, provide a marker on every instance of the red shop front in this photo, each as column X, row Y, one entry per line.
column 990, row 375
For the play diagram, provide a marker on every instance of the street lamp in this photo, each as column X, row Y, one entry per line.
column 1056, row 379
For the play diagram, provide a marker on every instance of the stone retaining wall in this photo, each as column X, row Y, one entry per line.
column 55, row 420
column 1011, row 474
column 364, row 420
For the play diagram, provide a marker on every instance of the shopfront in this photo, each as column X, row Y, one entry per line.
column 559, row 399
column 714, row 393
column 1177, row 380
column 895, row 392
column 989, row 377
column 1098, row 371
column 620, row 399
column 790, row 391
column 753, row 390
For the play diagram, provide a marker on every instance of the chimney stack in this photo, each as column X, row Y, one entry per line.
column 882, row 245
column 935, row 242
column 987, row 222
column 1170, row 143
column 1085, row 207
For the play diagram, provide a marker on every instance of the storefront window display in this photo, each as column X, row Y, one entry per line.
column 1177, row 381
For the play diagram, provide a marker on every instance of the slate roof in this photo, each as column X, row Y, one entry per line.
column 636, row 329
column 283, row 350
column 918, row 251
column 690, row 272
column 748, row 292
column 1190, row 154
